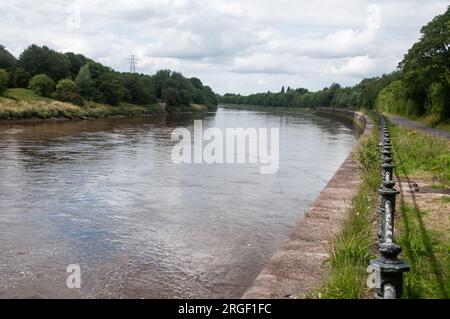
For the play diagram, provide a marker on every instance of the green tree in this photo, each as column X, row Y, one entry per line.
column 19, row 78
column 159, row 79
column 43, row 60
column 140, row 88
column 438, row 97
column 4, row 78
column 84, row 82
column 100, row 83
column 111, row 91
column 7, row 60
column 393, row 98
column 211, row 98
column 42, row 84
column 67, row 91
column 426, row 63
column 177, row 91
column 76, row 61
column 431, row 53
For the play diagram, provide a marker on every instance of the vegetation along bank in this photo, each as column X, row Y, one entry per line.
column 422, row 228
column 419, row 88
column 43, row 83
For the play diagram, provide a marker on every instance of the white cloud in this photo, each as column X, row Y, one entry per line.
column 262, row 63
column 355, row 66
column 244, row 46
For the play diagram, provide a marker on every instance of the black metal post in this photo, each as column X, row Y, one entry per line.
column 388, row 268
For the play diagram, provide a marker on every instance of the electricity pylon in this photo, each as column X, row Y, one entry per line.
column 132, row 60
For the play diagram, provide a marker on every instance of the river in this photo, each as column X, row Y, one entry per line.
column 105, row 195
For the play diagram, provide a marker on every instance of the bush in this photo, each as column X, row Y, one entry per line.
column 67, row 91
column 42, row 85
column 4, row 79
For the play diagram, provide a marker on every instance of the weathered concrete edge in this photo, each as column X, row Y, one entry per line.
column 297, row 267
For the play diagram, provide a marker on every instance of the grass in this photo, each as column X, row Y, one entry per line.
column 24, row 104
column 421, row 154
column 423, row 233
column 423, row 229
column 434, row 121
column 23, row 95
column 354, row 247
column 427, row 251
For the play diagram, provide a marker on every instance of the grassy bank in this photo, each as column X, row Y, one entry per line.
column 24, row 104
column 423, row 219
column 355, row 246
column 423, row 227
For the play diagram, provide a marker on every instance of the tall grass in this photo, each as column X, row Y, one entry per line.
column 22, row 104
column 37, row 109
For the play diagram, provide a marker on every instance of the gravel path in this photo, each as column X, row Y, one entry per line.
column 418, row 126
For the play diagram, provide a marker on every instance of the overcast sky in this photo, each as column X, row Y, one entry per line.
column 233, row 46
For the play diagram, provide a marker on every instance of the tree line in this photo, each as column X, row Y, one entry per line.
column 419, row 87
column 75, row 78
column 363, row 95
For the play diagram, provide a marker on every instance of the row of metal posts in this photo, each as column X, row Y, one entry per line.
column 388, row 268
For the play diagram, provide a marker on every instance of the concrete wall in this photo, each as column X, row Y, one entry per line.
column 298, row 266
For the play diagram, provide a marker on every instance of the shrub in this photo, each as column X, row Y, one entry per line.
column 42, row 85
column 67, row 91
column 4, row 79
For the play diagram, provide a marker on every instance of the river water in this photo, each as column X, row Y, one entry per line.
column 105, row 195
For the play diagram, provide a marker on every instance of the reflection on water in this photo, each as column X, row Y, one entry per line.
column 104, row 194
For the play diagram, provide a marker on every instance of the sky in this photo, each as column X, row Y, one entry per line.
column 233, row 46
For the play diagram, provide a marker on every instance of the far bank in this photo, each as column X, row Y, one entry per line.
column 23, row 105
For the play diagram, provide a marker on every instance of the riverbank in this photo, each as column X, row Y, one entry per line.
column 24, row 105
column 423, row 177
column 301, row 264
column 280, row 109
column 355, row 245
column 422, row 225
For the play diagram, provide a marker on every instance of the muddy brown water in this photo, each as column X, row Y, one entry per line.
column 104, row 194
